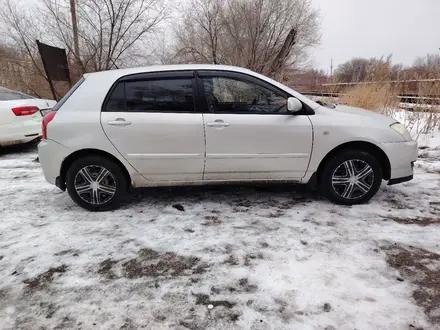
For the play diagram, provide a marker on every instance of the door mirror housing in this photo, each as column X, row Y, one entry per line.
column 294, row 105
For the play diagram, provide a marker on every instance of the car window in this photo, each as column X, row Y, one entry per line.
column 116, row 100
column 10, row 95
column 69, row 93
column 228, row 95
column 159, row 95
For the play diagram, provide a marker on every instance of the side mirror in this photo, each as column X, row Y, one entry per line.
column 294, row 105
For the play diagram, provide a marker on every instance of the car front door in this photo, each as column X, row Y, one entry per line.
column 250, row 134
column 152, row 121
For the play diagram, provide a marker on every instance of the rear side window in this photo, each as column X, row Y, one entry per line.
column 10, row 95
column 156, row 95
column 69, row 93
column 116, row 100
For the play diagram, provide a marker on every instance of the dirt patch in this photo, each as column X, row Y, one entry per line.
column 66, row 323
column 247, row 287
column 211, row 220
column 106, row 268
column 398, row 204
column 24, row 176
column 154, row 264
column 242, row 286
column 232, row 260
column 243, row 203
column 48, row 309
column 128, row 325
column 203, row 299
column 277, row 214
column 45, row 278
column 247, row 260
column 252, row 256
column 240, row 209
column 420, row 221
column 422, row 268
column 327, row 307
column 192, row 325
column 73, row 252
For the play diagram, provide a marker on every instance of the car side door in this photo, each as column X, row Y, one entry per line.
column 152, row 121
column 250, row 134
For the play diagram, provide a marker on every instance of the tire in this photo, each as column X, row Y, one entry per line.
column 82, row 183
column 341, row 186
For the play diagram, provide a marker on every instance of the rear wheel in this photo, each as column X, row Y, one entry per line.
column 351, row 177
column 96, row 183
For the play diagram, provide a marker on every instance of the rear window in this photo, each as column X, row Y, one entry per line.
column 10, row 95
column 69, row 93
column 155, row 95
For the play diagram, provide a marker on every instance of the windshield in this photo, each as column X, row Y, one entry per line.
column 69, row 93
column 10, row 95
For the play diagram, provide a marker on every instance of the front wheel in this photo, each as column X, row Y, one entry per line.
column 351, row 177
column 96, row 183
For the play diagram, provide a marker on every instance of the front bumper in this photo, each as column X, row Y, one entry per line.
column 402, row 156
column 400, row 180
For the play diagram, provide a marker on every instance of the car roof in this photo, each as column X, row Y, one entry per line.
column 170, row 67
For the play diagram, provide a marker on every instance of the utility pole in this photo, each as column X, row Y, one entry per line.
column 75, row 32
column 331, row 68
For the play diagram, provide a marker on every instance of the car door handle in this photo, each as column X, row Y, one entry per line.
column 119, row 122
column 217, row 124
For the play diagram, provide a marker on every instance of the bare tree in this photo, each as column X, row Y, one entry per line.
column 427, row 66
column 23, row 62
column 263, row 35
column 107, row 29
column 362, row 69
column 109, row 32
column 198, row 35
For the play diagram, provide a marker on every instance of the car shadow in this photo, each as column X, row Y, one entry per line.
column 19, row 148
column 236, row 193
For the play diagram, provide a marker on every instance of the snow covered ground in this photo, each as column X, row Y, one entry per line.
column 235, row 258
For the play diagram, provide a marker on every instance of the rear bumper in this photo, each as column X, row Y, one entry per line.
column 19, row 132
column 51, row 155
column 60, row 184
column 19, row 140
column 402, row 156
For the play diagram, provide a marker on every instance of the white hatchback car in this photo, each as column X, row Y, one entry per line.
column 20, row 117
column 203, row 124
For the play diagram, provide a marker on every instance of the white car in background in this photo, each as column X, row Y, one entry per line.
column 204, row 124
column 20, row 117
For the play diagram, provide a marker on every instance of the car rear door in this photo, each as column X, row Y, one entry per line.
column 250, row 135
column 151, row 119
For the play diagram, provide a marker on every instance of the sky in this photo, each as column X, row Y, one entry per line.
column 372, row 28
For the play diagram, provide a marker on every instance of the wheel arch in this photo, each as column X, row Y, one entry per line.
column 69, row 160
column 369, row 147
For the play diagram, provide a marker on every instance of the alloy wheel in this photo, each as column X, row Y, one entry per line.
column 95, row 184
column 353, row 179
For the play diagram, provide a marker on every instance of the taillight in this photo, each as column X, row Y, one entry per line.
column 25, row 110
column 46, row 120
